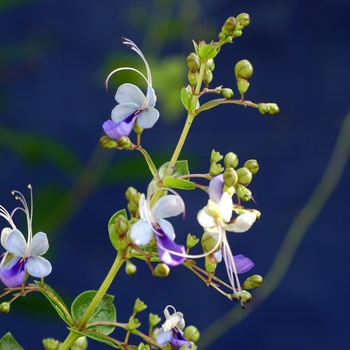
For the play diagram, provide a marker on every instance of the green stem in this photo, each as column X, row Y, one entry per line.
column 81, row 324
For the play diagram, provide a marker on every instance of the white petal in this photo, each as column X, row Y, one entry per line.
column 205, row 219
column 151, row 95
column 147, row 118
column 38, row 267
column 39, row 244
column 4, row 234
column 242, row 222
column 130, row 93
column 226, row 206
column 143, row 207
column 141, row 233
column 16, row 243
column 167, row 206
column 167, row 228
column 122, row 111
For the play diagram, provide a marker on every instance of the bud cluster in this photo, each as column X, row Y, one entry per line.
column 233, row 27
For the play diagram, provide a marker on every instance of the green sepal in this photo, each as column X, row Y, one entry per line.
column 113, row 236
column 181, row 184
column 186, row 98
column 56, row 302
column 105, row 310
column 8, row 342
column 180, row 169
column 196, row 47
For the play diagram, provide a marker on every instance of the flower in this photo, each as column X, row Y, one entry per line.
column 152, row 224
column 133, row 104
column 170, row 332
column 215, row 218
column 22, row 258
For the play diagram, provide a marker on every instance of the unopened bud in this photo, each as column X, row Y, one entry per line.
column 243, row 20
column 51, row 344
column 252, row 282
column 193, row 62
column 130, row 194
column 215, row 156
column 230, row 177
column 107, row 142
column 210, row 64
column 252, row 165
column 121, row 225
column 207, row 77
column 80, row 344
column 243, row 193
column 227, row 93
column 130, row 268
column 229, row 26
column 210, row 264
column 191, row 241
column 5, row 307
column 231, row 160
column 192, row 78
column 192, row 333
column 123, row 142
column 243, row 69
column 244, row 176
column 268, row 108
column 209, row 242
column 162, row 270
column 215, row 169
column 139, row 306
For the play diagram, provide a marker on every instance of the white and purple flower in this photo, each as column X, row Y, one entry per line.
column 152, row 224
column 215, row 218
column 22, row 258
column 133, row 105
column 170, row 331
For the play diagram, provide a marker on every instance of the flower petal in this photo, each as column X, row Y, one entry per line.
column 242, row 222
column 179, row 340
column 4, row 234
column 16, row 243
column 226, row 206
column 13, row 273
column 38, row 267
column 39, row 244
column 151, row 95
column 117, row 130
column 167, row 206
column 242, row 263
column 130, row 93
column 166, row 246
column 141, row 233
column 167, row 228
column 147, row 117
column 216, row 185
column 163, row 337
column 124, row 112
column 205, row 219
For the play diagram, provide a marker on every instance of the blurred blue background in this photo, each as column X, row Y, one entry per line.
column 54, row 58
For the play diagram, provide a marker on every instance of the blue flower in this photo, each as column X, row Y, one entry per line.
column 133, row 105
column 170, row 332
column 22, row 258
column 152, row 224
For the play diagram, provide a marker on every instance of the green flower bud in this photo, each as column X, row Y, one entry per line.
column 215, row 169
column 252, row 282
column 227, row 93
column 138, row 130
column 154, row 320
column 162, row 270
column 243, row 193
column 243, row 69
column 264, row 108
column 121, row 225
column 209, row 242
column 80, row 344
column 107, row 142
column 123, row 142
column 191, row 333
column 51, row 344
column 142, row 346
column 231, row 160
column 210, row 64
column 230, row 177
column 229, row 26
column 131, row 194
column 243, row 20
column 191, row 241
column 252, row 165
column 215, row 156
column 133, row 324
column 244, row 176
column 210, row 266
column 130, row 268
column 245, row 296
column 193, row 62
column 192, row 78
column 274, row 108
column 207, row 77
column 139, row 306
column 5, row 307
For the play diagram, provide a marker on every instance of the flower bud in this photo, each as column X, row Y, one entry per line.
column 154, row 319
column 209, row 242
column 192, row 333
column 80, row 344
column 133, row 324
column 243, row 193
column 227, row 93
column 51, row 344
column 243, row 20
column 207, row 77
column 229, row 26
column 130, row 268
column 210, row 64
column 252, row 282
column 193, row 62
column 244, row 176
column 215, row 169
column 124, row 142
column 231, row 160
column 264, row 108
column 107, row 142
column 230, row 177
column 130, row 194
column 162, row 270
column 243, row 69
column 274, row 108
column 245, row 296
column 191, row 241
column 192, row 78
column 5, row 307
column 252, row 165
column 142, row 346
column 210, row 266
column 121, row 225
column 139, row 306
column 215, row 156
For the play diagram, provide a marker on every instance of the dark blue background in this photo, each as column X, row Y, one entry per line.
column 300, row 52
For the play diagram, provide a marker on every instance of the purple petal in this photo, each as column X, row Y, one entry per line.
column 13, row 273
column 242, row 263
column 179, row 340
column 117, row 130
column 216, row 185
column 166, row 246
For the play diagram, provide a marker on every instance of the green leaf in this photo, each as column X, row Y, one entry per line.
column 208, row 51
column 180, row 169
column 56, row 302
column 105, row 310
column 8, row 342
column 111, row 231
column 182, row 184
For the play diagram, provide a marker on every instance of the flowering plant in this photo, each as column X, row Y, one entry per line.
column 143, row 231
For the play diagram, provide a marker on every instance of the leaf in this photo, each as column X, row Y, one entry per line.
column 56, row 302
column 8, row 342
column 180, row 169
column 111, row 231
column 182, row 184
column 105, row 310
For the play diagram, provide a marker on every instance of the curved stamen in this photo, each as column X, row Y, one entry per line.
column 120, row 69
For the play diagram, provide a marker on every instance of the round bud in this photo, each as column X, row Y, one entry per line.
column 244, row 176
column 192, row 78
column 210, row 266
column 263, row 108
column 130, row 268
column 207, row 77
column 209, row 242
column 274, row 108
column 162, row 270
column 121, row 225
column 130, row 194
column 243, row 69
column 5, row 307
column 107, row 142
column 231, row 160
column 229, row 26
column 252, row 165
column 230, row 177
column 246, row 297
column 192, row 333
column 51, row 344
column 252, row 282
column 227, row 93
column 193, row 62
column 124, row 142
column 80, row 344
column 243, row 19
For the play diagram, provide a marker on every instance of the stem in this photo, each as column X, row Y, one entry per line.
column 81, row 324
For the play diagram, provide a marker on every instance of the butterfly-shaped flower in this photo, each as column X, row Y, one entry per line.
column 22, row 258
column 170, row 331
column 152, row 224
column 133, row 105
